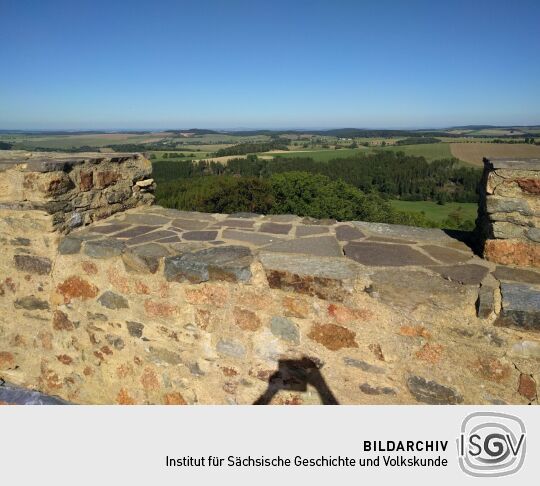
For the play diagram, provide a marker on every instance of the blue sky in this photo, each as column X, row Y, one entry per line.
column 229, row 64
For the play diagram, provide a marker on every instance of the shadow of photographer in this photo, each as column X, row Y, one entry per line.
column 296, row 375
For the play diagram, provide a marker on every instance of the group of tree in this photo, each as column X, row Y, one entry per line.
column 394, row 174
column 253, row 147
column 299, row 193
column 417, row 140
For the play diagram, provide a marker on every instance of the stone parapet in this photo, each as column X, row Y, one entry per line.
column 152, row 305
column 74, row 190
column 509, row 212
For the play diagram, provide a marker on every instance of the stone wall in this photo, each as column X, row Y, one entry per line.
column 71, row 191
column 153, row 305
column 509, row 216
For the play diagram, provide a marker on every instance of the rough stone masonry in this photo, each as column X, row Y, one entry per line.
column 106, row 298
column 510, row 211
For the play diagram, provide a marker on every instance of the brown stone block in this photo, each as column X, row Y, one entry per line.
column 333, row 337
column 512, row 252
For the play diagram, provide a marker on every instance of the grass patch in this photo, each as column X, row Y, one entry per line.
column 436, row 212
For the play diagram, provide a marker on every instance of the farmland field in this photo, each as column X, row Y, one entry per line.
column 431, row 151
column 436, row 212
column 473, row 153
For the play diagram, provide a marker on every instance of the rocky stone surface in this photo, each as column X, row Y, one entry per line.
column 154, row 305
column 509, row 216
column 520, row 306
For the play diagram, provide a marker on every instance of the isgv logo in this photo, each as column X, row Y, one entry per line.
column 491, row 444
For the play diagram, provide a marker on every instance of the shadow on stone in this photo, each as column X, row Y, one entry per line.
column 296, row 375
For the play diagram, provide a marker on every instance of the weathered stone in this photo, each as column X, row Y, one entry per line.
column 163, row 355
column 76, row 288
column 376, row 390
column 135, row 231
column 199, row 235
column 520, row 306
column 276, row 228
column 233, row 349
column 513, row 252
column 69, row 246
column 325, row 246
column 113, row 301
column 190, row 224
column 33, row 264
column 135, row 329
column 20, row 241
column 404, row 232
column 333, row 337
column 233, row 223
column 408, row 289
column 310, row 230
column 380, row 254
column 485, row 305
column 61, row 321
column 144, row 258
column 345, row 232
column 464, row 274
column 246, row 319
column 527, row 386
column 326, row 278
column 253, row 238
column 357, row 363
column 108, row 229
column 146, row 219
column 115, row 341
column 525, row 349
column 492, row 368
column 446, row 255
column 152, row 236
column 516, row 275
column 145, row 183
column 533, row 234
column 432, row 392
column 103, row 248
column 507, row 205
column 229, row 263
column 31, row 302
column 285, row 329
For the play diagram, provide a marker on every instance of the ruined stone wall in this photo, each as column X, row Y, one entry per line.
column 72, row 190
column 509, row 216
column 158, row 306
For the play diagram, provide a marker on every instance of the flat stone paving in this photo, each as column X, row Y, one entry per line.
column 145, row 235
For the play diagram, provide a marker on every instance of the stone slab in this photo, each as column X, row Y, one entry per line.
column 409, row 289
column 404, row 232
column 346, row 232
column 465, row 274
column 253, row 238
column 446, row 255
column 302, row 230
column 315, row 245
column 516, row 275
column 520, row 306
column 384, row 255
column 227, row 263
column 275, row 228
column 326, row 278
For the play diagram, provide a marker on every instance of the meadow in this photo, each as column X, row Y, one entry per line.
column 437, row 212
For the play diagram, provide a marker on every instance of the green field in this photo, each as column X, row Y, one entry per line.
column 321, row 155
column 431, row 151
column 436, row 212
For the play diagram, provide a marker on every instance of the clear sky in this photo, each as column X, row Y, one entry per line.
column 268, row 64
